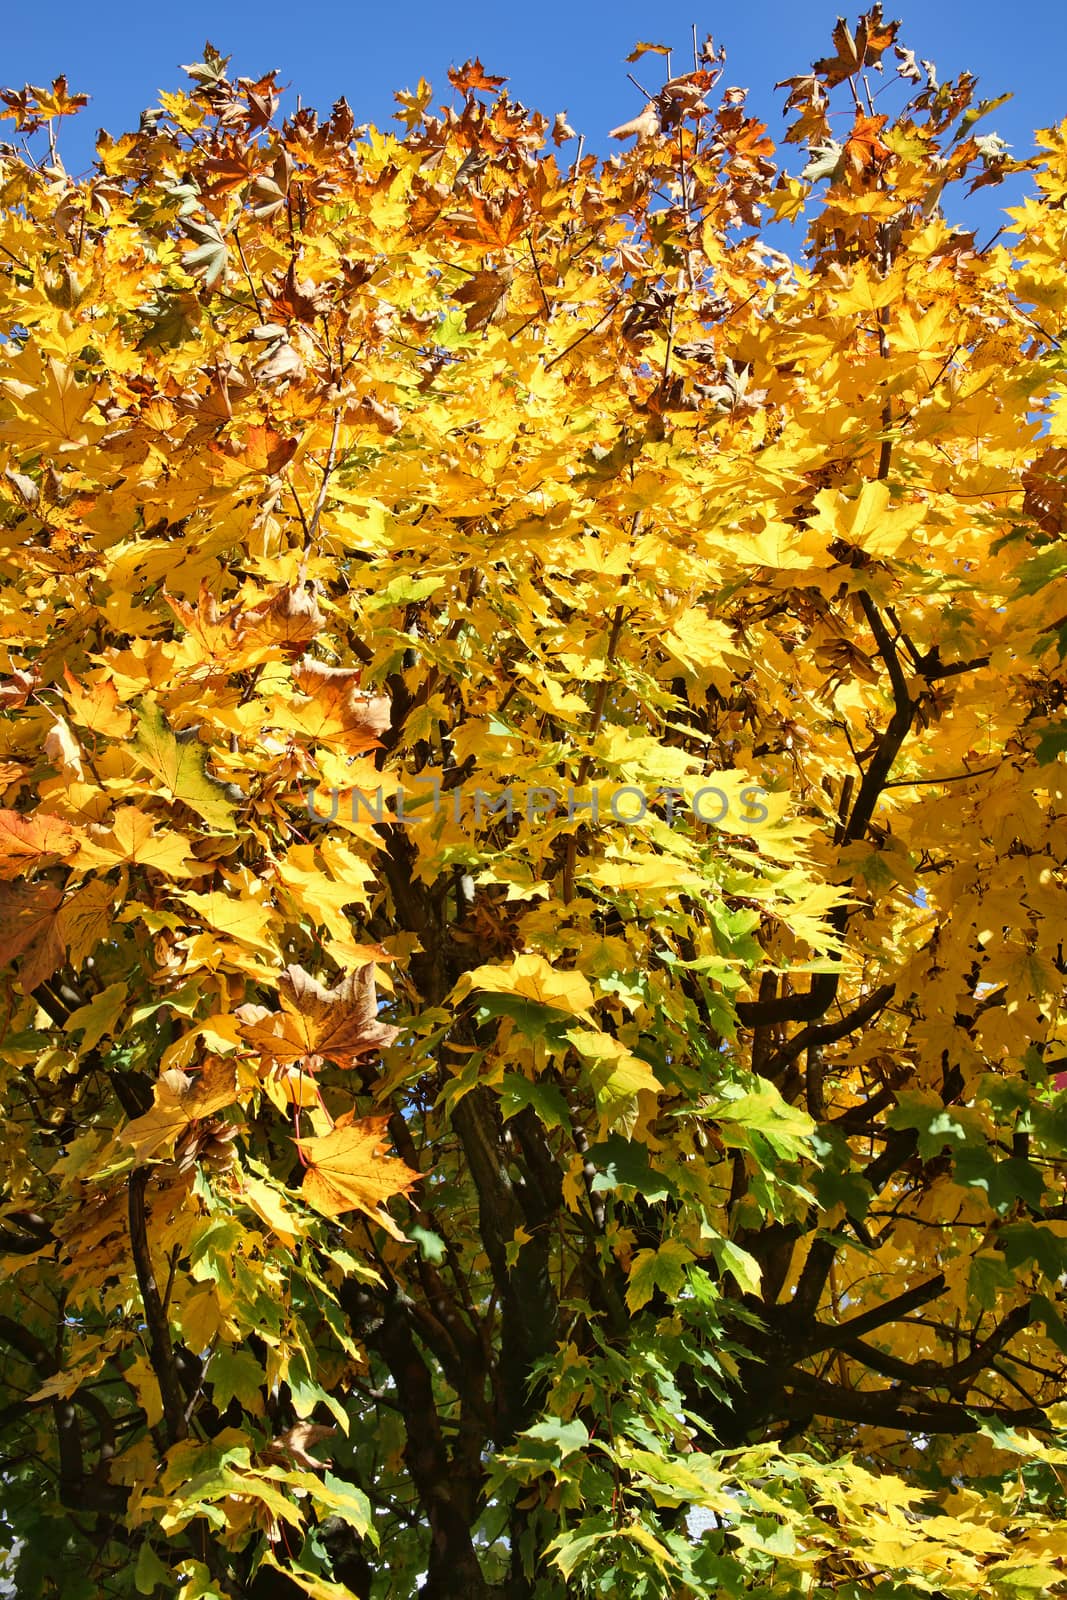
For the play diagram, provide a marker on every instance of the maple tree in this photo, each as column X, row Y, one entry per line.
column 531, row 849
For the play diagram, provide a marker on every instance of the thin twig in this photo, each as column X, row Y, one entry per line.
column 300, row 510
column 248, row 275
column 583, row 336
column 312, row 528
column 537, row 274
column 955, row 777
column 578, row 157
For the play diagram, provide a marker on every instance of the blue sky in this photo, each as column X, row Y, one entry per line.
column 557, row 55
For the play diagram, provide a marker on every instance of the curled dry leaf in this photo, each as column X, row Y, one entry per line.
column 643, row 48
column 25, row 489
column 208, row 1143
column 282, row 364
column 16, row 690
column 296, row 1442
column 63, row 750
column 644, row 126
column 381, row 414
column 683, row 97
column 179, row 1101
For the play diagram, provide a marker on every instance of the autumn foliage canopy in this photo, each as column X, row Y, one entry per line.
column 532, row 833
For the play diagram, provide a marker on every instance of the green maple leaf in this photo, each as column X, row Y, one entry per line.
column 181, row 768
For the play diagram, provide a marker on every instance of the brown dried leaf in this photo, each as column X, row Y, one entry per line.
column 340, row 1024
column 381, row 414
column 485, row 295
column 644, row 126
column 282, row 364
column 873, row 36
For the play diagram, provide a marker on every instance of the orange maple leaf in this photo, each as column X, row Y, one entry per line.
column 336, row 710
column 864, row 146
column 290, row 618
column 96, row 707
column 26, row 841
column 472, row 75
column 346, row 1170
column 500, row 221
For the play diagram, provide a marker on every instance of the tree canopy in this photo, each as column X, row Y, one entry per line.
column 532, row 841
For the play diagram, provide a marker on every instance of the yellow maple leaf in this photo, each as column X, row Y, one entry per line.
column 531, row 975
column 132, row 838
column 346, row 1170
column 48, row 408
column 867, row 521
column 236, row 916
column 97, row 707
column 180, row 767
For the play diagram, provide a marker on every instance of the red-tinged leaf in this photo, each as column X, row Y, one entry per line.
column 500, row 221
column 472, row 75
column 25, row 842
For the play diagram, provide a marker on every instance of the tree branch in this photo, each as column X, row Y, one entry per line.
column 162, row 1350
